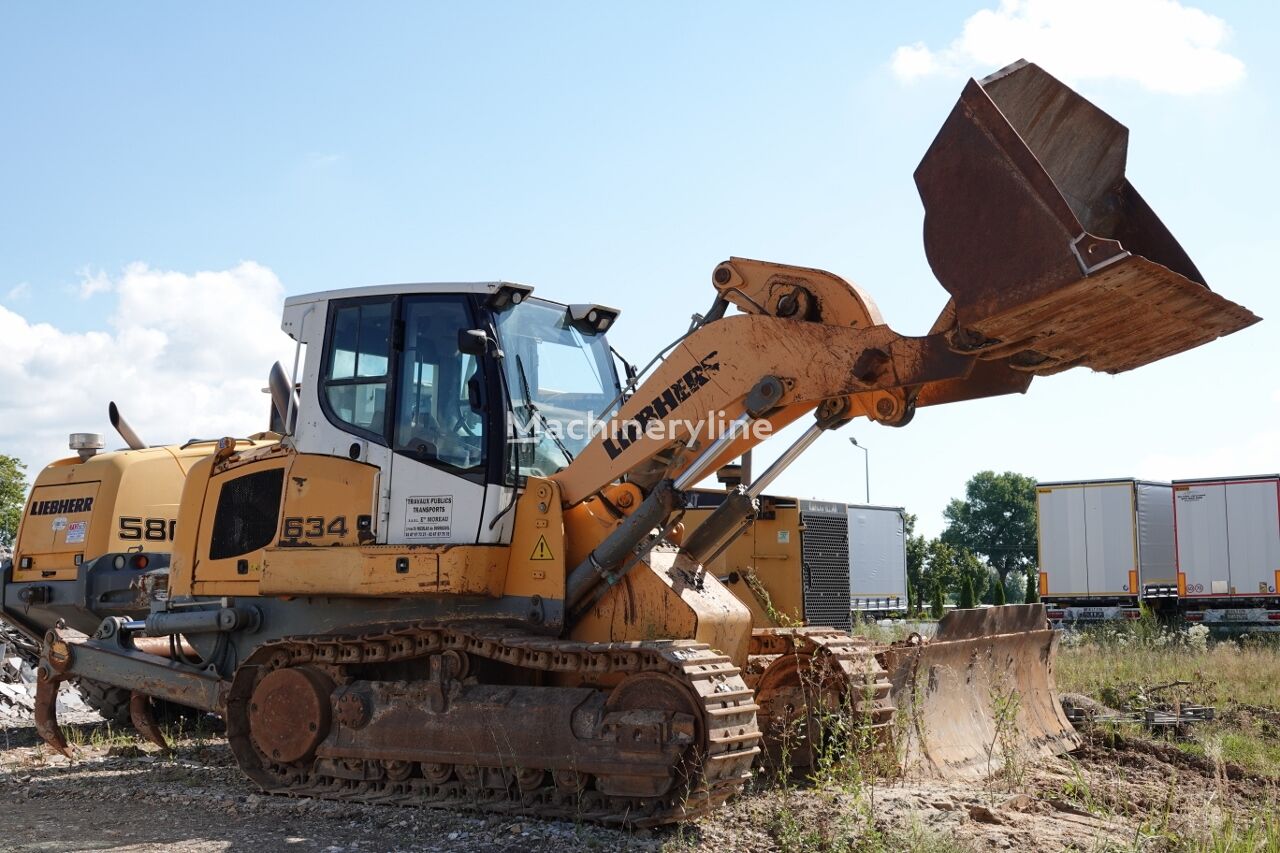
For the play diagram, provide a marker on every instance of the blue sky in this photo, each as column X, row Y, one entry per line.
column 601, row 153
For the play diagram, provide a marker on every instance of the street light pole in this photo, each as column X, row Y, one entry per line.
column 866, row 459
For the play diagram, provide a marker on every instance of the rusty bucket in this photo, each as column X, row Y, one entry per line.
column 979, row 697
column 1051, row 256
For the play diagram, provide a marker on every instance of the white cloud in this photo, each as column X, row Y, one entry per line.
column 1159, row 44
column 93, row 283
column 184, row 355
column 18, row 292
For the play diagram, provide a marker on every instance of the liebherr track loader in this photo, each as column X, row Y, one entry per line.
column 437, row 588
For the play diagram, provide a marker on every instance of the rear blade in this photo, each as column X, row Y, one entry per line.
column 1052, row 258
column 980, row 695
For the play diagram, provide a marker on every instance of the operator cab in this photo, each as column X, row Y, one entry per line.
column 455, row 392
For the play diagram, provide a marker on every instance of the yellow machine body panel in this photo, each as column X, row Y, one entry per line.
column 265, row 497
column 762, row 567
column 657, row 600
column 537, row 552
column 276, row 522
column 385, row 570
column 112, row 502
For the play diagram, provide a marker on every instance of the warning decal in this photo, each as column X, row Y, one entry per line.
column 428, row 517
column 541, row 551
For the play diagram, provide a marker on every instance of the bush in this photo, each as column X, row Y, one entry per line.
column 1033, row 587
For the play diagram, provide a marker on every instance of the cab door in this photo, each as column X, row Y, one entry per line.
column 440, row 438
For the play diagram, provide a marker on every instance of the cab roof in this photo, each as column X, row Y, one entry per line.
column 398, row 290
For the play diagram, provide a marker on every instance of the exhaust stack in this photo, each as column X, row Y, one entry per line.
column 122, row 426
column 284, row 401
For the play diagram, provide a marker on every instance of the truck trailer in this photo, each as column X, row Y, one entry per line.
column 1104, row 545
column 1227, row 535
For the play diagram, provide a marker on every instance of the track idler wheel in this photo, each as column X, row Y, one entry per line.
column 289, row 714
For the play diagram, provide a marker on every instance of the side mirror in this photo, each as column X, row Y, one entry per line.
column 474, row 342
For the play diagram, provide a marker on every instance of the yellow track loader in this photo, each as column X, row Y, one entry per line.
column 459, row 577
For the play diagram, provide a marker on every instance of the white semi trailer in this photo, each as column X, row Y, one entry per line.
column 877, row 560
column 1227, row 533
column 1104, row 545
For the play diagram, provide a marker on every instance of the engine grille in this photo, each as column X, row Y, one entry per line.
column 248, row 514
column 824, row 558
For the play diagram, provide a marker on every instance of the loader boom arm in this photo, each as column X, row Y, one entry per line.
column 708, row 381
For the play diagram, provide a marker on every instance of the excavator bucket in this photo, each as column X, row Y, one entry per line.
column 979, row 696
column 1051, row 257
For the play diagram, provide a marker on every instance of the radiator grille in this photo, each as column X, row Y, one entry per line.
column 824, row 557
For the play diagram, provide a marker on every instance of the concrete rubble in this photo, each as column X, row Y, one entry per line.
column 18, row 659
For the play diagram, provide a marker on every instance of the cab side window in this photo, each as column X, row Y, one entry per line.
column 358, row 363
column 439, row 417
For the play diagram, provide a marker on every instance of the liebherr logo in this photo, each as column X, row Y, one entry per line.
column 63, row 507
column 664, row 404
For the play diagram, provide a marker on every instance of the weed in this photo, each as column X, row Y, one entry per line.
column 1006, row 701
column 1260, row 834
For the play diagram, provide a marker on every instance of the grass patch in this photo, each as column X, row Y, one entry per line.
column 1220, row 675
column 1138, row 669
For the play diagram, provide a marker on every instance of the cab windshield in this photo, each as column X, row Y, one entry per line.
column 560, row 380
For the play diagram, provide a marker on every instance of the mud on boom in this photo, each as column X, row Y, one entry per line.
column 422, row 595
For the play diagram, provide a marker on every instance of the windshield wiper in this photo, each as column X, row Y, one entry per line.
column 533, row 411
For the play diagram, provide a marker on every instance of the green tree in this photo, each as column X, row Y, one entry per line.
column 13, row 496
column 1015, row 589
column 967, row 598
column 936, row 606
column 1000, row 596
column 950, row 567
column 996, row 520
column 1033, row 587
column 917, row 548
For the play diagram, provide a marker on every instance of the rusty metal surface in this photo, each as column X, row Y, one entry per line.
column 981, row 695
column 289, row 713
column 46, row 710
column 159, row 646
column 144, row 721
column 1052, row 258
column 110, row 658
column 814, row 684
column 1124, row 316
column 650, row 732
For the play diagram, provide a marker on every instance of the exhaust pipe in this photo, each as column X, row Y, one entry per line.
column 284, row 401
column 122, row 426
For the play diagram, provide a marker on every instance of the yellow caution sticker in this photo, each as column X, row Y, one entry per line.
column 541, row 551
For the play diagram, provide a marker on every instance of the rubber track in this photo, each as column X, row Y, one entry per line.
column 730, row 744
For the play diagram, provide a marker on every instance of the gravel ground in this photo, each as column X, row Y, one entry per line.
column 123, row 796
